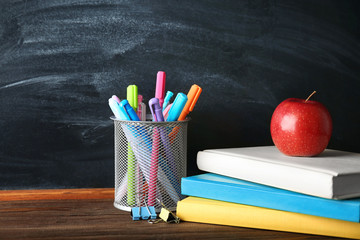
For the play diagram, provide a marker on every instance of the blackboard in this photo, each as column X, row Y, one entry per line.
column 60, row 61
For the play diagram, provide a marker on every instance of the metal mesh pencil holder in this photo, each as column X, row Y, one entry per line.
column 150, row 160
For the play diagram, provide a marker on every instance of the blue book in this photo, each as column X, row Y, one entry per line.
column 217, row 187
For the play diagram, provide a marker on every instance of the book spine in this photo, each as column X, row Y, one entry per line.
column 287, row 202
column 223, row 213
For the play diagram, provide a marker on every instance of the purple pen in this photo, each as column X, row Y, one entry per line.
column 156, row 110
column 157, row 114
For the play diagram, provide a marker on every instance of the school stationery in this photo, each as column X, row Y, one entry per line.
column 116, row 98
column 115, row 108
column 177, row 107
column 141, row 112
column 170, row 159
column 204, row 210
column 332, row 174
column 160, row 87
column 168, row 97
column 166, row 111
column 132, row 97
column 192, row 96
column 128, row 110
column 217, row 187
column 155, row 110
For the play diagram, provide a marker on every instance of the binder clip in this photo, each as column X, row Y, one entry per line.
column 166, row 215
column 144, row 213
column 148, row 212
column 136, row 213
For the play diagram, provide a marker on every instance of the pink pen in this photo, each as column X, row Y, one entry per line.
column 160, row 87
column 116, row 98
column 166, row 111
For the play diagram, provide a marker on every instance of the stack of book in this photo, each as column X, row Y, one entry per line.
column 259, row 187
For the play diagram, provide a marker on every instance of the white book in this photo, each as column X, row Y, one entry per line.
column 333, row 174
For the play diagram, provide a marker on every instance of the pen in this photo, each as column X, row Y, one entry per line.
column 160, row 87
column 115, row 108
column 177, row 107
column 193, row 95
column 132, row 97
column 168, row 97
column 166, row 111
column 170, row 159
column 155, row 110
column 128, row 110
column 141, row 112
column 116, row 98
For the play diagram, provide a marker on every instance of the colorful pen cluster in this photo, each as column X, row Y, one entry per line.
column 160, row 167
column 160, row 106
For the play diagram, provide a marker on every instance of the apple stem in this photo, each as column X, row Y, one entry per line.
column 310, row 96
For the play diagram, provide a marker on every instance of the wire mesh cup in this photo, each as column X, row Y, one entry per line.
column 150, row 160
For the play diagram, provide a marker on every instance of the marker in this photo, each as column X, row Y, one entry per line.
column 132, row 96
column 155, row 109
column 128, row 110
column 141, row 112
column 160, row 87
column 115, row 108
column 193, row 95
column 166, row 111
column 177, row 107
column 116, row 98
column 168, row 97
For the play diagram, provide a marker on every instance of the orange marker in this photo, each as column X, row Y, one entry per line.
column 193, row 95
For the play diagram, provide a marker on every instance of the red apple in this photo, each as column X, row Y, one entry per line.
column 301, row 127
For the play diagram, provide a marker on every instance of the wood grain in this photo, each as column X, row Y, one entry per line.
column 59, row 194
column 97, row 218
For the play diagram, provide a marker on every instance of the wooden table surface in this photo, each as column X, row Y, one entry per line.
column 90, row 214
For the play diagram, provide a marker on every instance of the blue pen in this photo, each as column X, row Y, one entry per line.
column 124, row 104
column 168, row 96
column 177, row 107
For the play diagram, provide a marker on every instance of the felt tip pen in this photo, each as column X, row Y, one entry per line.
column 141, row 112
column 132, row 96
column 160, row 87
column 125, row 106
column 167, row 99
column 116, row 98
column 156, row 110
column 115, row 108
column 177, row 107
column 193, row 95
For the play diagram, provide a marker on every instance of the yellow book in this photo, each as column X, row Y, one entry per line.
column 203, row 210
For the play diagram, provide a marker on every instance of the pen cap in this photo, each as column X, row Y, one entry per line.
column 124, row 105
column 123, row 114
column 132, row 96
column 114, row 107
column 177, row 107
column 160, row 87
column 193, row 95
column 156, row 110
column 116, row 98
